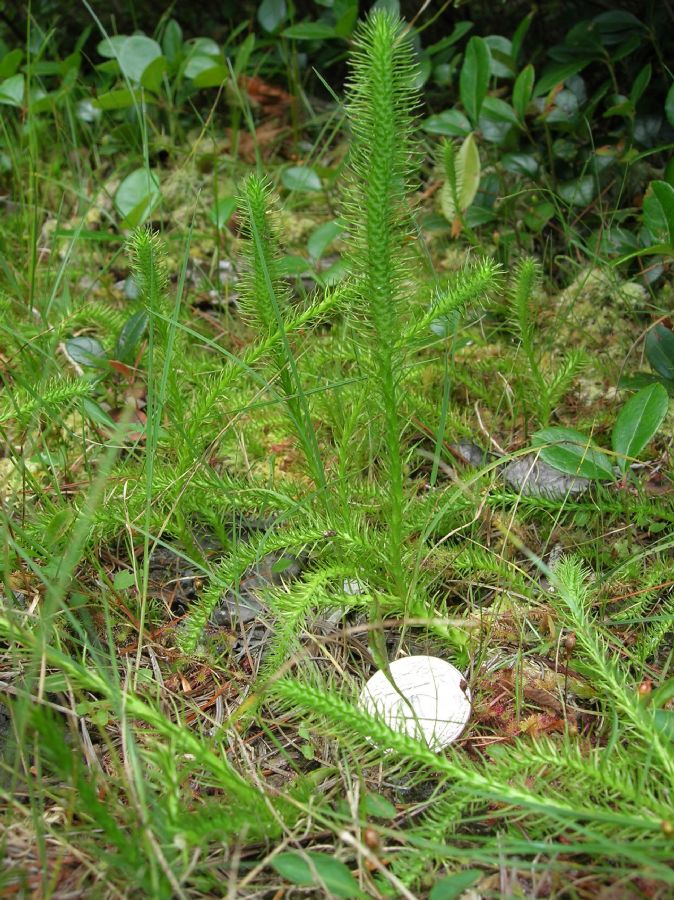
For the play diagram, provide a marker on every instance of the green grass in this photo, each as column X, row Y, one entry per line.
column 145, row 752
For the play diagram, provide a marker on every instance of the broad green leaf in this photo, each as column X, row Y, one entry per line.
column 521, row 163
column 111, row 47
column 347, row 21
column 579, row 191
column 222, row 211
column 292, row 264
column 454, row 885
column 322, row 237
column 638, row 421
column 301, row 178
column 203, row 46
column 450, row 122
column 539, row 215
column 212, row 77
column 172, row 41
column 669, row 105
column 664, row 722
column 11, row 91
column 379, row 807
column 310, row 31
column 558, row 73
column 137, row 196
column 122, row 98
column 664, row 193
column 501, row 63
column 643, row 379
column 495, row 108
column 640, row 84
column 571, row 452
column 199, row 63
column 319, row 869
column 659, row 346
column 136, row 54
column 520, row 34
column 153, row 74
column 474, row 77
column 523, row 91
column 466, row 178
column 130, row 337
column 11, row 62
column 123, row 580
column 271, row 14
column 86, row 352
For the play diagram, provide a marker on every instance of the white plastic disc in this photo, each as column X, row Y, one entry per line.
column 436, row 707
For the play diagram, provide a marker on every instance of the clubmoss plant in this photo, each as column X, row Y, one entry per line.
column 546, row 389
column 382, row 97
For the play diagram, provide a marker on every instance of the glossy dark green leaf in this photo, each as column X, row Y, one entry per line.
column 659, row 346
column 579, row 191
column 572, row 452
column 86, row 352
column 643, row 379
column 558, row 73
column 310, row 31
column 522, row 163
column 640, row 84
column 499, row 110
column 669, row 105
column 474, row 77
column 130, row 337
column 520, row 34
column 450, row 122
column 501, row 64
column 523, row 90
column 638, row 422
column 664, row 194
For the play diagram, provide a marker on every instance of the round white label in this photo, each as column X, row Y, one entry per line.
column 432, row 700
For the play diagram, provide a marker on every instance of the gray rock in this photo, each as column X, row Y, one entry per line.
column 534, row 478
column 244, row 604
